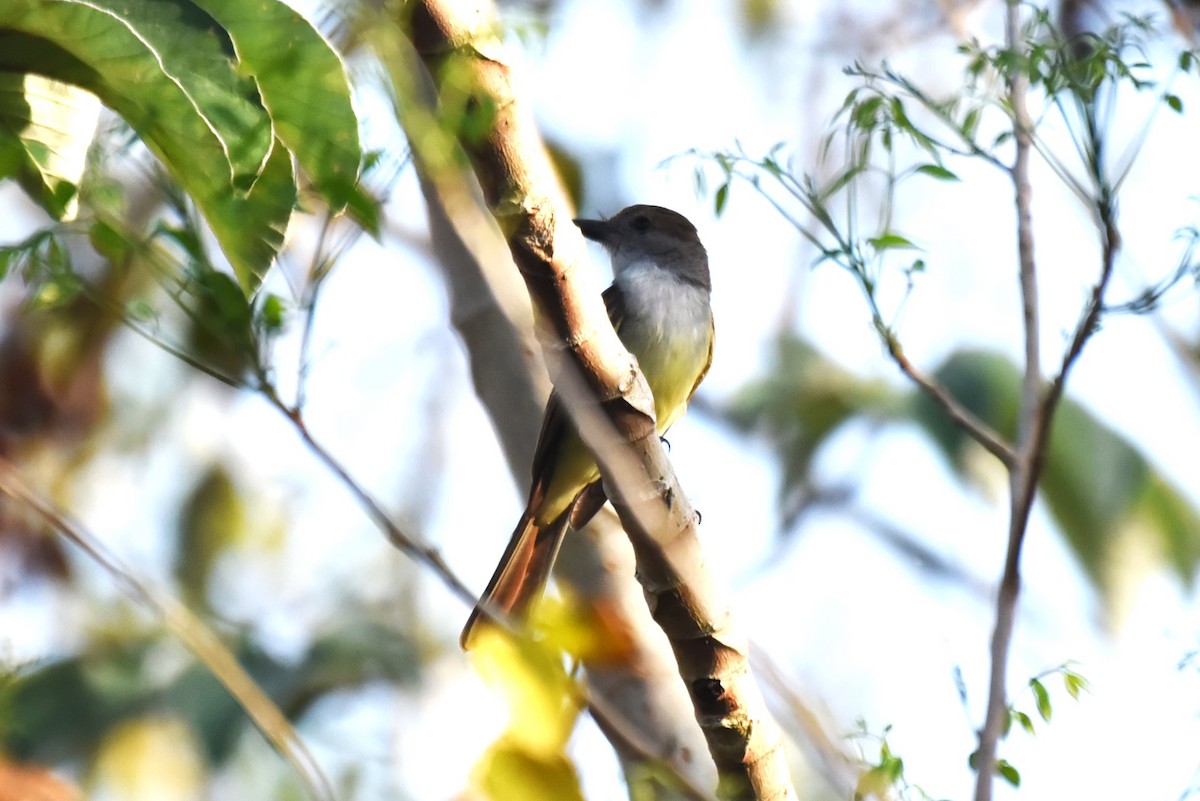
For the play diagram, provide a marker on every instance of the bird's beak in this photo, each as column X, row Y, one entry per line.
column 596, row 230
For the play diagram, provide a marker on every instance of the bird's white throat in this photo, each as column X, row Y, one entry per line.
column 661, row 306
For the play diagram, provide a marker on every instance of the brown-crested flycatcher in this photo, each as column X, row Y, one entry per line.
column 659, row 306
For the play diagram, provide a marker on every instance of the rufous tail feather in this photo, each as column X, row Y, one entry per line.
column 521, row 576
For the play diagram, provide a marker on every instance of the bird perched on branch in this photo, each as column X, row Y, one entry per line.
column 659, row 306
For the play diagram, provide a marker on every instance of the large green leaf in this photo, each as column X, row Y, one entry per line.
column 223, row 100
column 304, row 86
column 1098, row 487
column 163, row 66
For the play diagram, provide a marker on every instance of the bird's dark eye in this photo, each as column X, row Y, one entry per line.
column 641, row 223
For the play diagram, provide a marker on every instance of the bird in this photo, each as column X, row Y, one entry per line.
column 660, row 306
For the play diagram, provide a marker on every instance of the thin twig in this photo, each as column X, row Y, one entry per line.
column 1039, row 402
column 419, row 551
column 1023, row 472
column 975, row 428
column 308, row 299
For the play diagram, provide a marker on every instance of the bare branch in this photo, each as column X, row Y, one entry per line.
column 1023, row 472
column 975, row 428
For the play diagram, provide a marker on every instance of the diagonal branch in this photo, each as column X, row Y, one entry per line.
column 588, row 364
column 975, row 428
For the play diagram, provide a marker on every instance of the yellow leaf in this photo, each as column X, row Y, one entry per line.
column 509, row 772
column 589, row 632
column 541, row 698
column 150, row 759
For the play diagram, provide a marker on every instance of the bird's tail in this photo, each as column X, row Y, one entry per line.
column 522, row 574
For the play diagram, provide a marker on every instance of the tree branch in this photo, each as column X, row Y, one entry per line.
column 1024, row 470
column 1039, row 401
column 587, row 361
column 975, row 428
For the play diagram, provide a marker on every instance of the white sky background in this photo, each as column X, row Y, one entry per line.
column 866, row 633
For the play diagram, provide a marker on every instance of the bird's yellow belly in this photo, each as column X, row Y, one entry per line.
column 671, row 370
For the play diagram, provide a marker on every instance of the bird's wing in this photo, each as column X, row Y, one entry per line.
column 614, row 301
column 556, row 421
column 712, row 338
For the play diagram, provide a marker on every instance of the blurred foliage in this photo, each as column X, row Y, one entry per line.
column 803, row 399
column 153, row 758
column 1097, row 486
column 212, row 519
column 119, row 679
column 528, row 762
column 233, row 99
column 759, row 17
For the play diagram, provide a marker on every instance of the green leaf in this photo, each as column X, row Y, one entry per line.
column 970, row 123
column 722, row 197
column 222, row 332
column 890, row 241
column 840, row 180
column 271, row 314
column 1074, row 683
column 109, row 242
column 1025, row 721
column 305, row 88
column 1174, row 102
column 865, row 115
column 1008, row 772
column 937, row 171
column 1041, row 698
column 165, row 66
